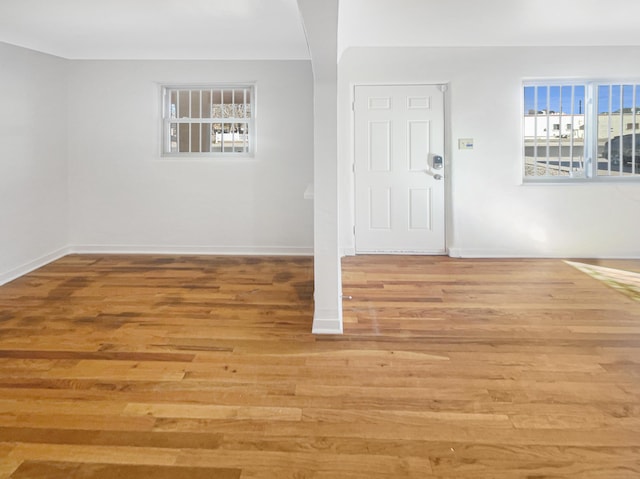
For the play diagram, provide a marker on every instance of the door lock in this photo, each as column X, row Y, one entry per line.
column 438, row 162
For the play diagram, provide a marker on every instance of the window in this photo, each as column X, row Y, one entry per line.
column 573, row 131
column 208, row 121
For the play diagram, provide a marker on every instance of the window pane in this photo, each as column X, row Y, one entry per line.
column 227, row 137
column 217, row 137
column 248, row 104
column 554, row 130
column 183, row 104
column 205, row 137
column 618, row 116
column 227, row 99
column 195, row 104
column 206, row 104
column 217, row 104
column 238, row 99
column 173, row 104
column 173, row 137
column 183, row 138
column 195, row 137
column 243, row 137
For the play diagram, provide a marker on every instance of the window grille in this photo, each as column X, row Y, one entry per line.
column 210, row 121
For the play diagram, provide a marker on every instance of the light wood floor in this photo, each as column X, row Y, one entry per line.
column 203, row 367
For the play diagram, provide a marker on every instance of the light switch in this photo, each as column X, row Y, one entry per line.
column 465, row 143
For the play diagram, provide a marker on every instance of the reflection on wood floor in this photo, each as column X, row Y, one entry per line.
column 204, row 367
column 626, row 282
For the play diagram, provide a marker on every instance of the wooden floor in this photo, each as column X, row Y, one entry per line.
column 203, row 367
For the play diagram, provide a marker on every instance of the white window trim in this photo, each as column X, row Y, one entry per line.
column 166, row 120
column 590, row 145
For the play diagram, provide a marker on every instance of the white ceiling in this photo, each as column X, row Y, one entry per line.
column 272, row 29
column 156, row 29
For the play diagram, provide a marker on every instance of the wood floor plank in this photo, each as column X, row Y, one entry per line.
column 202, row 366
column 95, row 355
column 111, row 438
column 76, row 421
column 66, row 470
column 91, row 454
column 312, row 463
column 214, row 411
column 7, row 464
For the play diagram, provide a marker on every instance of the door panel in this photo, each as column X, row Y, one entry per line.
column 419, row 206
column 379, row 146
column 380, row 210
column 399, row 198
column 418, row 145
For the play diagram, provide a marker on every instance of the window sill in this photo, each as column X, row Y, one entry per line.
column 580, row 181
column 207, row 156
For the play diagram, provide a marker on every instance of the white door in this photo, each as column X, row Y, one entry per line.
column 399, row 169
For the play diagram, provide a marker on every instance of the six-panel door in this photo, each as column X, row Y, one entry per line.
column 400, row 196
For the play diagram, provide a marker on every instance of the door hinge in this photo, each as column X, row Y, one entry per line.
column 353, row 167
column 353, row 106
column 354, row 230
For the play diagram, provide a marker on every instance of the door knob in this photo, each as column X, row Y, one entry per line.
column 437, row 176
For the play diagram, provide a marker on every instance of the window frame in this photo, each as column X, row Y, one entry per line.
column 167, row 120
column 590, row 141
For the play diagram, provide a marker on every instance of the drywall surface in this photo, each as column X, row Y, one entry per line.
column 491, row 212
column 125, row 196
column 33, row 161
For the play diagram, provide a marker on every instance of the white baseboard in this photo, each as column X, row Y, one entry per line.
column 497, row 254
column 327, row 322
column 33, row 265
column 194, row 250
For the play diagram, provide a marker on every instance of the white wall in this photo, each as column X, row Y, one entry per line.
column 33, row 160
column 125, row 197
column 491, row 212
column 489, row 23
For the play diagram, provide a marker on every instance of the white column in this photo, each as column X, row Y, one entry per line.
column 320, row 19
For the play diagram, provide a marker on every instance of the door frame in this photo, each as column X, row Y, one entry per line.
column 448, row 198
